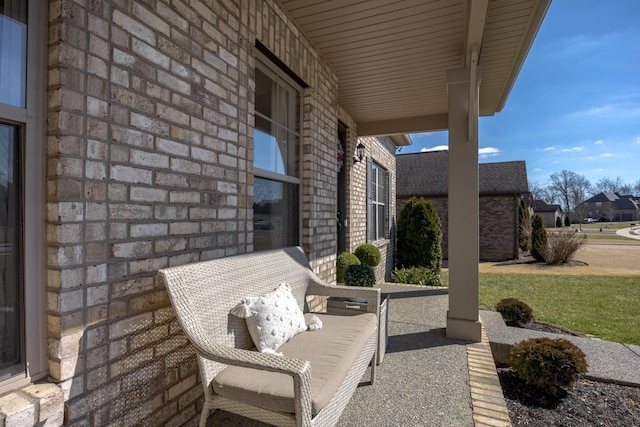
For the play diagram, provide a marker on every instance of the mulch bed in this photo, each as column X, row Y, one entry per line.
column 587, row 403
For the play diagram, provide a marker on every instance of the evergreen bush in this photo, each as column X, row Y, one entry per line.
column 558, row 222
column 514, row 312
column 345, row 259
column 419, row 236
column 548, row 364
column 360, row 275
column 567, row 221
column 538, row 239
column 524, row 226
column 368, row 254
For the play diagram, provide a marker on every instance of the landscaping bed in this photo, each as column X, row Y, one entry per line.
column 588, row 403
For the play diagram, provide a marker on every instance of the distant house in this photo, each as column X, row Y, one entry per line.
column 548, row 212
column 501, row 186
column 611, row 206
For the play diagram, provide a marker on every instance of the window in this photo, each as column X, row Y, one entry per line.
column 10, row 248
column 276, row 194
column 23, row 34
column 378, row 203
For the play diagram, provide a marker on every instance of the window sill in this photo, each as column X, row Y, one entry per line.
column 35, row 404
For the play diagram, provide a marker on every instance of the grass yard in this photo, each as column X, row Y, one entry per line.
column 599, row 298
column 602, row 306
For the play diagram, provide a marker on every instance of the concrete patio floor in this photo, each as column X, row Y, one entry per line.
column 425, row 379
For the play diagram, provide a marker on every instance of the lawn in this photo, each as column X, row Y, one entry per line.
column 599, row 298
column 605, row 307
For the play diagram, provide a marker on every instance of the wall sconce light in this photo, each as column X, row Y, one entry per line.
column 360, row 153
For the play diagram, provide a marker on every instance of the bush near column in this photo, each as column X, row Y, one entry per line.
column 345, row 259
column 538, row 239
column 368, row 254
column 558, row 222
column 419, row 236
column 548, row 364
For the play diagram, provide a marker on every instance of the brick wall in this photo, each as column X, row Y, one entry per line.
column 382, row 151
column 498, row 225
column 149, row 165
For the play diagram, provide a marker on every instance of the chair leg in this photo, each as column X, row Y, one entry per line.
column 204, row 416
column 374, row 362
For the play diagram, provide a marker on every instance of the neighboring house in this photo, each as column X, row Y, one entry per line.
column 611, row 207
column 144, row 134
column 502, row 185
column 548, row 212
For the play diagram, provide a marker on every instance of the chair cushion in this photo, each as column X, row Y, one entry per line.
column 332, row 351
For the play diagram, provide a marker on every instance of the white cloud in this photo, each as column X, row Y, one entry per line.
column 599, row 142
column 606, row 155
column 436, row 148
column 549, row 149
column 611, row 112
column 573, row 149
column 597, row 170
column 483, row 153
column 638, row 140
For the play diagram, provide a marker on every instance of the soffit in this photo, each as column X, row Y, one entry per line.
column 392, row 57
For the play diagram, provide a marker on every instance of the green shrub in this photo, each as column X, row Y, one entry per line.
column 548, row 364
column 368, row 254
column 514, row 312
column 419, row 236
column 567, row 221
column 538, row 238
column 417, row 276
column 360, row 275
column 345, row 259
column 524, row 226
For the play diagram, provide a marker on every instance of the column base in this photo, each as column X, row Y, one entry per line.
column 464, row 329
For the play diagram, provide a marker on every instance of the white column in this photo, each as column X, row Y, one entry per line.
column 462, row 317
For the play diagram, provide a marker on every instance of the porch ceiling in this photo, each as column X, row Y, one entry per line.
column 392, row 57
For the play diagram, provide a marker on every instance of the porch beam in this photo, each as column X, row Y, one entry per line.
column 462, row 317
column 405, row 125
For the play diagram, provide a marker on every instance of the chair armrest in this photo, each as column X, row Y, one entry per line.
column 372, row 295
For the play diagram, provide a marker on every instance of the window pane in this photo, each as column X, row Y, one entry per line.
column 13, row 52
column 268, row 152
column 265, row 90
column 275, row 214
column 10, row 315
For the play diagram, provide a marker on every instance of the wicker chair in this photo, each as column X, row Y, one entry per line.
column 203, row 294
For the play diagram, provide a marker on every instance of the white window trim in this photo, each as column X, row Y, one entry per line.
column 261, row 60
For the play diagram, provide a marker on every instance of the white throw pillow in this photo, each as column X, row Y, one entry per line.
column 272, row 319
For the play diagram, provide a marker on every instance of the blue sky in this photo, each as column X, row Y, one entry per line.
column 576, row 102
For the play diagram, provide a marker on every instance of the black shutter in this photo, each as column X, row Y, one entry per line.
column 370, row 189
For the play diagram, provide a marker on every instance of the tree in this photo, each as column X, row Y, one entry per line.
column 419, row 236
column 572, row 187
column 538, row 239
column 535, row 188
column 607, row 185
column 558, row 222
column 636, row 188
column 549, row 195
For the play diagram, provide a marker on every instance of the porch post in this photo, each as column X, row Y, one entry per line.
column 462, row 317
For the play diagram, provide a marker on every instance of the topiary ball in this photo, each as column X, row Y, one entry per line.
column 514, row 312
column 368, row 254
column 345, row 259
column 360, row 275
column 548, row 364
